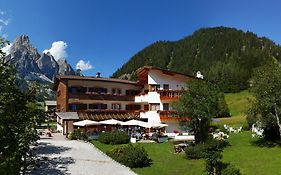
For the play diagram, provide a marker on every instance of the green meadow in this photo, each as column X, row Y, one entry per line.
column 250, row 155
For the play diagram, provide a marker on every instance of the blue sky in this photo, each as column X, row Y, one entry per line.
column 107, row 33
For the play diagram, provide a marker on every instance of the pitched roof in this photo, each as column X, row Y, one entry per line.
column 68, row 115
column 89, row 78
column 143, row 73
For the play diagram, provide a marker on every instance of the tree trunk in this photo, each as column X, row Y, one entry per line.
column 278, row 121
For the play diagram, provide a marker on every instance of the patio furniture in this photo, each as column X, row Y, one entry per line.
column 180, row 147
column 133, row 140
column 163, row 139
column 185, row 137
column 94, row 136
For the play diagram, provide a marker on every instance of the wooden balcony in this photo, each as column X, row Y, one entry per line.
column 102, row 96
column 170, row 94
column 171, row 116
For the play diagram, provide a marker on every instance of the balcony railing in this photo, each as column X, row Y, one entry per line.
column 167, row 112
column 170, row 94
column 102, row 96
column 171, row 115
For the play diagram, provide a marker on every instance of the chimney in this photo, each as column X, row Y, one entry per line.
column 98, row 75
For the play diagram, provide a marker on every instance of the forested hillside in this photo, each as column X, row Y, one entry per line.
column 225, row 56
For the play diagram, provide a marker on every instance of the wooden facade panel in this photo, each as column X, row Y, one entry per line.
column 62, row 96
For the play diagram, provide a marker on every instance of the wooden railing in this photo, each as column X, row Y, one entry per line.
column 102, row 96
column 170, row 94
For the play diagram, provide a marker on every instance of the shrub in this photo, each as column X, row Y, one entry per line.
column 71, row 136
column 195, row 152
column 77, row 134
column 118, row 137
column 230, row 170
column 131, row 156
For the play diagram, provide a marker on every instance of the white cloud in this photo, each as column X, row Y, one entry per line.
column 58, row 50
column 4, row 22
column 2, row 12
column 7, row 48
column 83, row 65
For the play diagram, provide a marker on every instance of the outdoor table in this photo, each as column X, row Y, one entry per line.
column 180, row 147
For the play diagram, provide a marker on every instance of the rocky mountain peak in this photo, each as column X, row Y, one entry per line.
column 21, row 40
column 23, row 48
column 65, row 68
column 32, row 66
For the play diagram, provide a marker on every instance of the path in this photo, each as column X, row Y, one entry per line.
column 58, row 155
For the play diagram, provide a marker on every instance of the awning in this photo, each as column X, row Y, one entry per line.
column 144, row 124
column 106, row 115
column 111, row 122
column 86, row 123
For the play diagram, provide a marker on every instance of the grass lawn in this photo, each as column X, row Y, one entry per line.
column 250, row 158
column 238, row 103
column 165, row 161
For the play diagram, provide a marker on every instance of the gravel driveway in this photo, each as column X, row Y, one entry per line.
column 58, row 155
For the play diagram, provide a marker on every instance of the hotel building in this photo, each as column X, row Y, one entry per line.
column 149, row 99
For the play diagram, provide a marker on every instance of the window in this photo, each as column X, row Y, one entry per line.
column 98, row 106
column 116, row 106
column 74, row 107
column 81, row 90
column 166, row 106
column 98, row 90
column 131, row 92
column 77, row 90
column 166, row 86
column 155, row 106
column 116, row 91
column 146, row 107
column 72, row 90
column 155, row 87
column 133, row 107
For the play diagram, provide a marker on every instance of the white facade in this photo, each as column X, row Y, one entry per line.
column 172, row 82
column 177, row 82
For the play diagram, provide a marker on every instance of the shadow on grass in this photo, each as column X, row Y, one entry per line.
column 266, row 143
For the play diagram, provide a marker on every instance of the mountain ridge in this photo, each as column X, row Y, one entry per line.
column 225, row 56
column 31, row 65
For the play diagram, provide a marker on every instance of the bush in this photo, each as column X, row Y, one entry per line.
column 71, row 136
column 113, row 138
column 197, row 151
column 131, row 156
column 77, row 134
column 230, row 170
